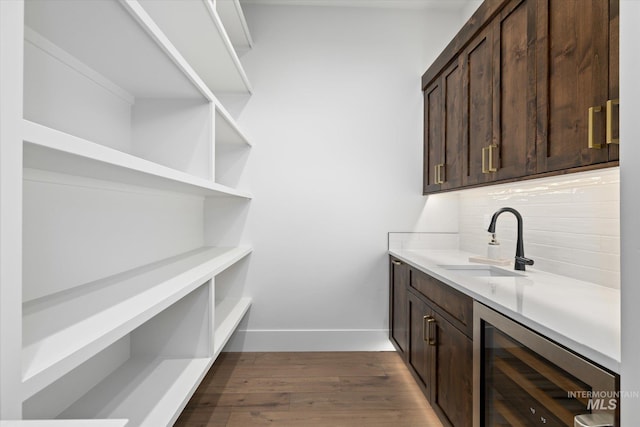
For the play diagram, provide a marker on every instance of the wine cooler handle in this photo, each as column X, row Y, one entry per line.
column 593, row 420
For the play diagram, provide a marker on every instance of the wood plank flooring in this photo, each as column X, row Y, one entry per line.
column 308, row 389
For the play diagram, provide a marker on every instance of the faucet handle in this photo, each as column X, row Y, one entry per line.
column 523, row 261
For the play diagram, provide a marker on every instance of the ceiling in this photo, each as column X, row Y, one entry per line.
column 398, row 4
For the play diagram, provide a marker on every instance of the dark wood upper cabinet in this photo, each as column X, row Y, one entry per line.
column 500, row 97
column 433, row 136
column 478, row 108
column 614, row 76
column 443, row 113
column 451, row 171
column 514, row 101
column 577, row 65
column 530, row 71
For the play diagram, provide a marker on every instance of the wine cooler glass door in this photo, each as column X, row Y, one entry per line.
column 528, row 380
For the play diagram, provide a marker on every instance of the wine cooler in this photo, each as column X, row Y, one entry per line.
column 522, row 379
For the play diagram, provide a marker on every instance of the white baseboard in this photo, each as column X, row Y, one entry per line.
column 310, row 340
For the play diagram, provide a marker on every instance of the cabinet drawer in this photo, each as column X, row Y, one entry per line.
column 454, row 305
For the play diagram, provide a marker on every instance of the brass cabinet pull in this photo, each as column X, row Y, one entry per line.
column 435, row 175
column 431, row 337
column 593, row 110
column 491, row 168
column 610, row 104
column 488, row 152
column 394, row 262
column 425, row 329
column 484, row 165
column 438, row 173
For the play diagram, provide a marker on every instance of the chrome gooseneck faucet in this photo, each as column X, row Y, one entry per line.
column 521, row 261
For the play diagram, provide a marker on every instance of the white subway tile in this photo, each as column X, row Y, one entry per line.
column 571, row 222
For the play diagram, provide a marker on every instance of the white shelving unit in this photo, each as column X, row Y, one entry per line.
column 147, row 400
column 195, row 27
column 65, row 329
column 121, row 138
column 232, row 18
column 55, row 151
column 227, row 131
column 229, row 313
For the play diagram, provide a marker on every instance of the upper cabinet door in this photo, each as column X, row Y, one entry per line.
column 513, row 153
column 433, row 137
column 614, row 75
column 573, row 63
column 443, row 131
column 478, row 108
column 450, row 172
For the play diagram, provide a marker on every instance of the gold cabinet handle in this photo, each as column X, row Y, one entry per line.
column 484, row 165
column 488, row 152
column 394, row 262
column 438, row 173
column 431, row 337
column 592, row 111
column 435, row 175
column 491, row 168
column 610, row 104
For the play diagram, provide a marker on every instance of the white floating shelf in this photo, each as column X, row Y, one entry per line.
column 232, row 18
column 226, row 130
column 194, row 27
column 228, row 315
column 148, row 393
column 137, row 57
column 63, row 330
column 55, row 151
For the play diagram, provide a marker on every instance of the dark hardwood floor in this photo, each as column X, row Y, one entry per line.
column 308, row 389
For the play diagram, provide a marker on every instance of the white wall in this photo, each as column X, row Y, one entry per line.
column 336, row 119
column 440, row 25
column 630, row 204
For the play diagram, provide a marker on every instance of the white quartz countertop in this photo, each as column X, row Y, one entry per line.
column 582, row 316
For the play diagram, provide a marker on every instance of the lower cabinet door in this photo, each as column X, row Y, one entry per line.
column 419, row 354
column 451, row 391
column 399, row 282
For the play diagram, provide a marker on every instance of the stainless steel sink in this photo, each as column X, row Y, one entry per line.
column 481, row 271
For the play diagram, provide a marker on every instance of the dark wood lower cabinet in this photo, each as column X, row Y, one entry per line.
column 453, row 373
column 441, row 358
column 420, row 355
column 439, row 347
column 398, row 283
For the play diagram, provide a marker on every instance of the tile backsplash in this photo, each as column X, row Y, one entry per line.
column 571, row 223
